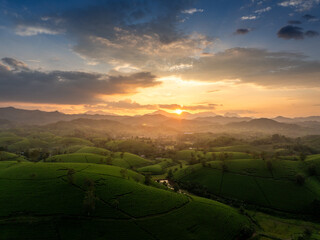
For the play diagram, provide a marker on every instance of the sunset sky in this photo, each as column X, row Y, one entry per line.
column 256, row 58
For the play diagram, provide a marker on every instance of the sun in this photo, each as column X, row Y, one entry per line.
column 178, row 111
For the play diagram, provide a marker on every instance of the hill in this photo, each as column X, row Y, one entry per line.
column 6, row 156
column 37, row 117
column 103, row 202
column 125, row 160
column 290, row 186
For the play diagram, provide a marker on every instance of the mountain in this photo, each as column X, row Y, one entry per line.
column 37, row 117
column 99, row 113
column 224, row 120
column 30, row 116
column 105, row 127
column 183, row 115
column 270, row 126
column 158, row 123
column 297, row 119
column 163, row 113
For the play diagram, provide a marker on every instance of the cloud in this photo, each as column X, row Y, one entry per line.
column 131, row 105
column 250, row 17
column 291, row 32
column 294, row 22
column 15, row 64
column 309, row 17
column 257, row 66
column 188, row 108
column 300, row 5
column 18, row 83
column 242, row 31
column 127, row 104
column 311, row 33
column 267, row 9
column 33, row 30
column 139, row 34
column 192, row 11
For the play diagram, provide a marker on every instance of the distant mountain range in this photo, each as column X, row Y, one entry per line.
column 161, row 121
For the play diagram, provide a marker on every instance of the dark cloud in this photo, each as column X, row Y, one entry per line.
column 308, row 17
column 15, row 64
column 257, row 66
column 142, row 34
column 105, row 17
column 291, row 32
column 21, row 84
column 311, row 33
column 242, row 31
column 294, row 22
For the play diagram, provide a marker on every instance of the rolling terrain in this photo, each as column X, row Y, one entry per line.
column 103, row 202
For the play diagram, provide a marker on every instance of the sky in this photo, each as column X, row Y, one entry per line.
column 258, row 58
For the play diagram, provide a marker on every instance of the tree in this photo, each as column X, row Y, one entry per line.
column 269, row 166
column 312, row 170
column 245, row 233
column 123, row 172
column 224, row 167
column 70, row 174
column 176, row 187
column 307, row 232
column 109, row 160
column 170, row 174
column 115, row 203
column 303, row 156
column 147, row 179
column 300, row 179
column 221, row 156
column 263, row 155
column 34, row 155
column 89, row 201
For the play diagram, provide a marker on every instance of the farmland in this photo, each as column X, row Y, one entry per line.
column 103, row 202
column 54, row 184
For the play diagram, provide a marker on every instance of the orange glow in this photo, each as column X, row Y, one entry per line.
column 178, row 111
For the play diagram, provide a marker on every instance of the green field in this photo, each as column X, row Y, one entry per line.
column 253, row 182
column 187, row 155
column 78, row 158
column 157, row 169
column 95, row 150
column 6, row 156
column 91, row 201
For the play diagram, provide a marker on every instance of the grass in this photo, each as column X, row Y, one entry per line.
column 125, row 160
column 208, row 156
column 129, row 160
column 78, row 158
column 123, row 207
column 237, row 148
column 282, row 228
column 94, row 150
column 157, row 169
column 7, row 140
column 251, row 181
column 6, row 156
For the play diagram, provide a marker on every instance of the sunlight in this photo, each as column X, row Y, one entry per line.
column 178, row 111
